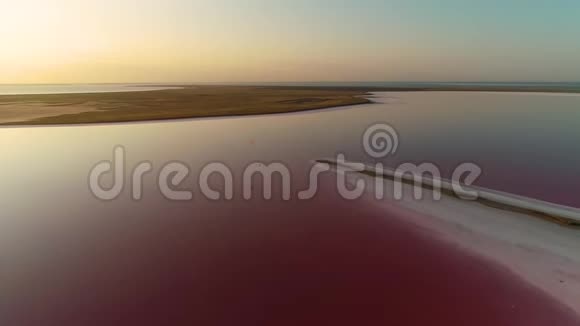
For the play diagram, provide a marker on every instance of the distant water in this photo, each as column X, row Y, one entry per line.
column 109, row 88
column 78, row 88
column 525, row 143
column 572, row 86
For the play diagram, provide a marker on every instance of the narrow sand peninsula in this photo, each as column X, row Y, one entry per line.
column 203, row 101
column 554, row 213
column 189, row 102
column 539, row 252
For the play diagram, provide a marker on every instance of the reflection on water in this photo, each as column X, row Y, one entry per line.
column 525, row 144
column 68, row 256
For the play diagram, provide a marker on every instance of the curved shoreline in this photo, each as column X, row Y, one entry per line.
column 205, row 101
column 193, row 102
column 537, row 251
column 367, row 268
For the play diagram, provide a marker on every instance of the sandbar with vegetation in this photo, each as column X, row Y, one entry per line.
column 196, row 102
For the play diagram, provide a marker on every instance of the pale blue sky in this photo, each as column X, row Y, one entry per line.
column 300, row 40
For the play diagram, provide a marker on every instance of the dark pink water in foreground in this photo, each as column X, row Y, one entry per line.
column 321, row 262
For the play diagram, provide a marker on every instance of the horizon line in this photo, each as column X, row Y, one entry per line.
column 292, row 82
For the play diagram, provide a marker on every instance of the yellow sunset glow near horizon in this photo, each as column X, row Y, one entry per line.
column 90, row 41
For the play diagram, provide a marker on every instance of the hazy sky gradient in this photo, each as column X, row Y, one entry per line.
column 61, row 41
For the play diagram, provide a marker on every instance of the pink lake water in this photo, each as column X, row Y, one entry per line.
column 68, row 256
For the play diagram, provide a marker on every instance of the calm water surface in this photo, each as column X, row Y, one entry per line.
column 67, row 256
column 525, row 143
